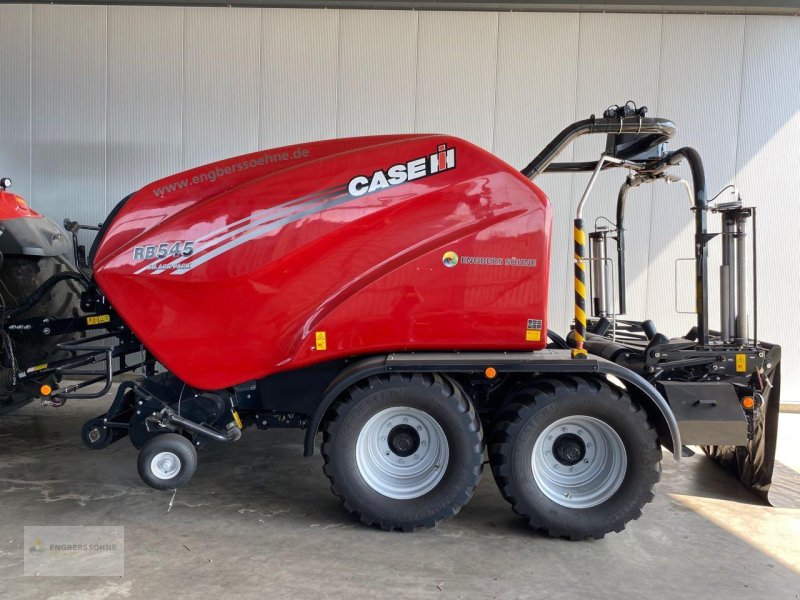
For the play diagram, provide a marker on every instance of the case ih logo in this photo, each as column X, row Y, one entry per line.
column 443, row 160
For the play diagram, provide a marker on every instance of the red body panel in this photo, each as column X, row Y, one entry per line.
column 14, row 207
column 284, row 258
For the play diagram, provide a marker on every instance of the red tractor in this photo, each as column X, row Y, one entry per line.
column 391, row 292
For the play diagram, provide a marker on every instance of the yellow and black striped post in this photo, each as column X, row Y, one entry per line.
column 580, row 290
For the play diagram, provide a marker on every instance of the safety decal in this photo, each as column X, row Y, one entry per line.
column 321, row 340
column 533, row 330
column 532, row 335
column 97, row 319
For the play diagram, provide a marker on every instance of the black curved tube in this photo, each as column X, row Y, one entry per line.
column 622, row 286
column 701, row 238
column 655, row 131
column 557, row 340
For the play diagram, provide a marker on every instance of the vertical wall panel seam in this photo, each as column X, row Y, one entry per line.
column 575, row 108
column 496, row 70
column 105, row 125
column 651, row 190
column 262, row 23
column 338, row 125
column 338, row 73
column 572, row 178
column 183, row 89
column 30, row 105
column 741, row 101
column 577, row 73
column 416, row 76
column 652, row 212
column 1, row 104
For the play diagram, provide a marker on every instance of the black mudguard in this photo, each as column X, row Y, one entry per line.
column 33, row 237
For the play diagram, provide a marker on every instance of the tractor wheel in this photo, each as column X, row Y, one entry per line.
column 167, row 461
column 403, row 451
column 575, row 457
column 20, row 276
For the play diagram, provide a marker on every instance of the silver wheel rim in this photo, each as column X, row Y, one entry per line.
column 165, row 465
column 594, row 477
column 402, row 476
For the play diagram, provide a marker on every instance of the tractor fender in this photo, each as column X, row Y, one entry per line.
column 642, row 391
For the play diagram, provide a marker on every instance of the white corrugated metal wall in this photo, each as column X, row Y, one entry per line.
column 96, row 101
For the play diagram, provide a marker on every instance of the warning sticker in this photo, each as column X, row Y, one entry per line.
column 533, row 335
column 96, row 320
column 741, row 363
column 322, row 342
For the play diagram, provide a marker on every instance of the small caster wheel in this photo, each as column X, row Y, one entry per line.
column 96, row 434
column 167, row 461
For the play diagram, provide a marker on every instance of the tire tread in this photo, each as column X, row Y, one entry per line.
column 513, row 415
column 451, row 393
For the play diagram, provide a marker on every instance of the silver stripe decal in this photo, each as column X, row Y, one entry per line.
column 259, row 232
column 231, row 229
column 264, row 216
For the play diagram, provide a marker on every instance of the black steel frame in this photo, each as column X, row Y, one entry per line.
column 85, row 351
column 653, row 132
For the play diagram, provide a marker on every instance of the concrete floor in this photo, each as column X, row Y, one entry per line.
column 258, row 521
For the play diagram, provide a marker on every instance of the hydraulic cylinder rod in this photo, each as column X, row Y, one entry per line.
column 727, row 274
column 601, row 274
column 741, row 283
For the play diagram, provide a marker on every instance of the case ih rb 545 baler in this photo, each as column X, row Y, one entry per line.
column 391, row 293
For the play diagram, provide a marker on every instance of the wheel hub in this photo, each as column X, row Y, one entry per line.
column 579, row 461
column 94, row 435
column 165, row 465
column 403, row 440
column 402, row 452
column 569, row 449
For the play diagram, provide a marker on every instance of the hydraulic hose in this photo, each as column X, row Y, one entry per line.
column 39, row 292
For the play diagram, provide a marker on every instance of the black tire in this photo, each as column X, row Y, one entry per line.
column 441, row 400
column 20, row 276
column 174, row 444
column 536, row 407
